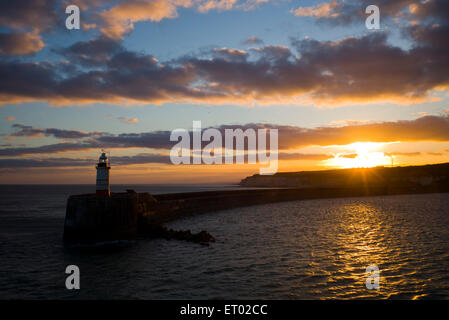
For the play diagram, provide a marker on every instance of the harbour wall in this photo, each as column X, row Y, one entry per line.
column 92, row 218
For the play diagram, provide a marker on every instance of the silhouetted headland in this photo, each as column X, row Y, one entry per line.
column 94, row 218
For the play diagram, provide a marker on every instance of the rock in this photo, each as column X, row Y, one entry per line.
column 150, row 230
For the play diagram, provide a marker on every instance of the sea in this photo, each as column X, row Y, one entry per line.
column 313, row 249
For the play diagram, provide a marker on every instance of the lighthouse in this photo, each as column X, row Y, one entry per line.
column 103, row 176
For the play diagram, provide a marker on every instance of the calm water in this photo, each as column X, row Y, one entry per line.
column 295, row 250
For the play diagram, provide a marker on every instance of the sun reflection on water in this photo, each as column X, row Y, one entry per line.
column 364, row 235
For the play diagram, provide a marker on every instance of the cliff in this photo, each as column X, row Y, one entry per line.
column 404, row 177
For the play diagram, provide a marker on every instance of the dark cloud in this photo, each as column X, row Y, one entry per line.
column 416, row 12
column 155, row 140
column 351, row 70
column 427, row 128
column 38, row 14
column 273, row 53
column 133, row 62
column 29, row 131
column 432, row 37
column 430, row 11
column 94, row 52
column 48, row 149
column 25, row 20
column 17, row 43
column 142, row 158
column 27, row 80
column 43, row 163
column 145, row 158
column 303, row 156
column 368, row 67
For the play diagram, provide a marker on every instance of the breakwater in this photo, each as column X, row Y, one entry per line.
column 91, row 218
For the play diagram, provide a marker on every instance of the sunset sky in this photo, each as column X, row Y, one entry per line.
column 136, row 70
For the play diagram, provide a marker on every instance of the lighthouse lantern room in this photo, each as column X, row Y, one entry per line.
column 103, row 176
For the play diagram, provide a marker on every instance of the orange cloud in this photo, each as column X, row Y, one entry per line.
column 120, row 19
column 216, row 5
column 322, row 10
column 17, row 43
column 128, row 120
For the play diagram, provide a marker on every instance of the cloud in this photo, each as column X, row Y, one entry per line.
column 349, row 11
column 222, row 5
column 348, row 71
column 32, row 132
column 128, row 120
column 17, row 43
column 427, row 128
column 208, row 5
column 273, row 54
column 43, row 163
column 114, row 22
column 322, row 10
column 120, row 19
column 114, row 19
column 48, row 149
column 231, row 55
column 94, row 52
column 303, row 156
column 26, row 20
column 22, row 14
column 349, row 156
column 253, row 40
column 153, row 140
column 406, row 154
column 144, row 158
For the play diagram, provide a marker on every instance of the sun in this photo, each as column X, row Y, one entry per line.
column 364, row 155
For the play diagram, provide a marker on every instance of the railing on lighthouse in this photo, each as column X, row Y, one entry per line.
column 103, row 168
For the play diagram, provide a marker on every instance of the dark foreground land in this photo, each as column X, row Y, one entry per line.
column 91, row 218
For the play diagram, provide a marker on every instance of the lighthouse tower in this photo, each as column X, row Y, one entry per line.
column 103, row 176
